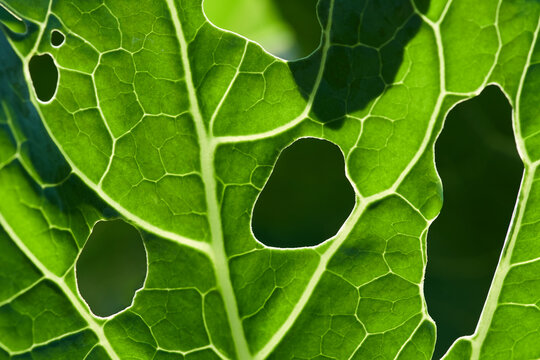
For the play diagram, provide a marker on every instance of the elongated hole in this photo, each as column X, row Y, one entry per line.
column 288, row 29
column 480, row 170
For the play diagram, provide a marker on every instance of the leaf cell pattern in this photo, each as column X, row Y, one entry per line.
column 175, row 125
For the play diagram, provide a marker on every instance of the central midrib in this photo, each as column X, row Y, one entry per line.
column 208, row 146
column 207, row 150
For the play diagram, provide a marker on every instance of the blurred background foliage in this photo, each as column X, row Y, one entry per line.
column 476, row 158
column 286, row 28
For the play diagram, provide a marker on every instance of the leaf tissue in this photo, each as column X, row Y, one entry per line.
column 149, row 113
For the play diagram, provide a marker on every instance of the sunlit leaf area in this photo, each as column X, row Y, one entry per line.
column 269, row 179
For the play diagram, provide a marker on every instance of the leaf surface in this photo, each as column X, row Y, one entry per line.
column 175, row 125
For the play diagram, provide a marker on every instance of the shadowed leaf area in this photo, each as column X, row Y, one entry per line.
column 369, row 39
column 367, row 51
column 57, row 38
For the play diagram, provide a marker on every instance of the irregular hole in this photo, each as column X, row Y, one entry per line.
column 288, row 29
column 481, row 171
column 44, row 75
column 57, row 38
column 111, row 267
column 306, row 199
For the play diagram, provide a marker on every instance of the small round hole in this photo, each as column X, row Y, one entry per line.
column 57, row 38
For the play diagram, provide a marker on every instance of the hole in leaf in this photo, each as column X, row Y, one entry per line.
column 306, row 199
column 288, row 29
column 481, row 171
column 44, row 76
column 57, row 38
column 111, row 267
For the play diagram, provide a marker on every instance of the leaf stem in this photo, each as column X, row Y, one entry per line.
column 207, row 150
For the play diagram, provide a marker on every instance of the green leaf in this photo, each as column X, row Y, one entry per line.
column 172, row 124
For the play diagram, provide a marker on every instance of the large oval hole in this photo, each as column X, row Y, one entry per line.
column 44, row 76
column 481, row 171
column 307, row 197
column 288, row 29
column 111, row 267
